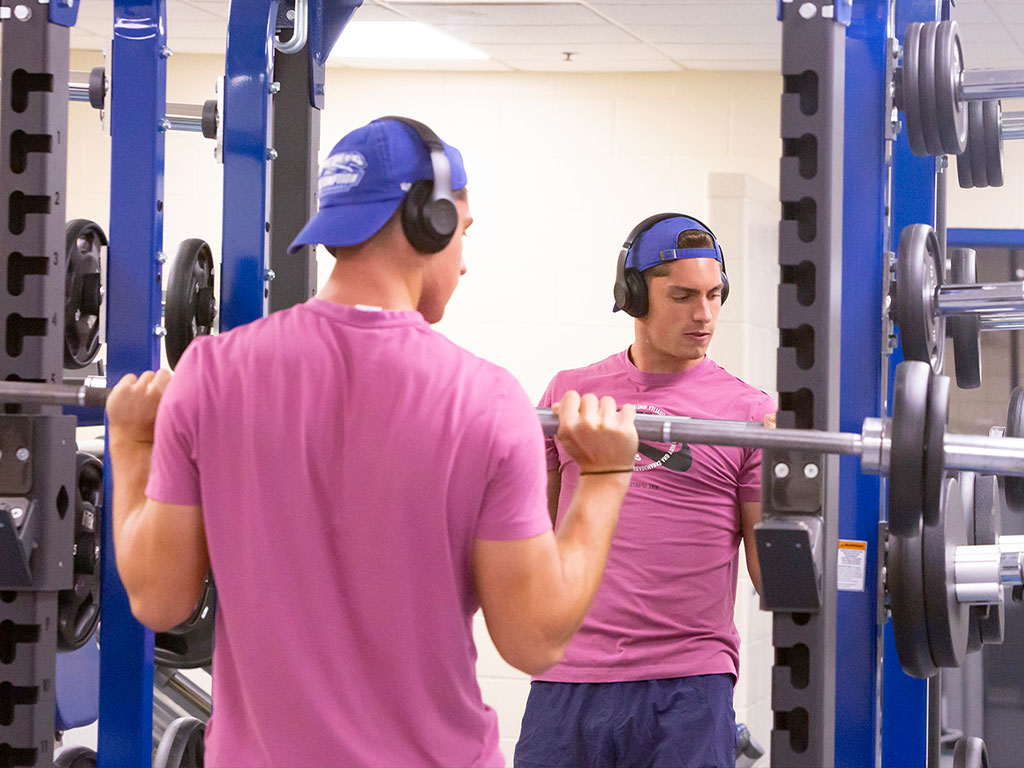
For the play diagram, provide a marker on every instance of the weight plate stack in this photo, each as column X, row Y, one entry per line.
column 907, row 453
column 190, row 644
column 949, row 69
column 1013, row 487
column 83, row 292
column 935, row 451
column 926, row 73
column 191, row 300
column 78, row 608
column 989, row 619
column 919, row 273
column 948, row 621
column 992, row 116
column 965, row 329
column 905, row 582
column 912, row 89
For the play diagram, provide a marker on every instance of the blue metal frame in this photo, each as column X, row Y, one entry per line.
column 248, row 75
column 138, row 103
column 905, row 699
column 65, row 15
column 984, row 238
column 864, row 229
column 326, row 22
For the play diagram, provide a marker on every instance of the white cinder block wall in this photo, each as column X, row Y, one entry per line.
column 561, row 167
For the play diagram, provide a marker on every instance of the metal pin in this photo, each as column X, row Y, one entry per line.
column 271, row 154
column 275, row 87
column 22, row 12
column 22, row 454
column 159, row 331
column 810, row 471
column 782, row 471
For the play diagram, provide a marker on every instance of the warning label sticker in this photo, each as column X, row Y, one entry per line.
column 853, row 558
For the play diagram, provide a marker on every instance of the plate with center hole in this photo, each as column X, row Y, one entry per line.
column 907, row 451
column 965, row 329
column 949, row 68
column 905, row 582
column 948, row 620
column 919, row 273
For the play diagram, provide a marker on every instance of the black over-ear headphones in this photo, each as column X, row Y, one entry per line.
column 429, row 217
column 630, row 285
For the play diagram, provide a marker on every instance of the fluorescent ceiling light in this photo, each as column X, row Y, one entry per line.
column 400, row 40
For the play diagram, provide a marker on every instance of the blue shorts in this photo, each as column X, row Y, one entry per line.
column 677, row 722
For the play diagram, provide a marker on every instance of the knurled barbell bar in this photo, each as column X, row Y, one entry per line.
column 935, row 87
column 915, row 438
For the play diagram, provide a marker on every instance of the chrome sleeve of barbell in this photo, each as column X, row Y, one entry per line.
column 987, row 455
column 874, row 457
column 1011, row 125
column 981, row 299
column 985, row 84
column 78, row 86
column 184, row 117
column 1010, row 322
column 977, row 573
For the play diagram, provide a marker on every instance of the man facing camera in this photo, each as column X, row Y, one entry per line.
column 648, row 679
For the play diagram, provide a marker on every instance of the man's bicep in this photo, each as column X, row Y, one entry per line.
column 554, row 491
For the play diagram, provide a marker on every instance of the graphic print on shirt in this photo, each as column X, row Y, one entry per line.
column 677, row 457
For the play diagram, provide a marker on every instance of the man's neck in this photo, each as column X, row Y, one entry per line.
column 649, row 360
column 374, row 282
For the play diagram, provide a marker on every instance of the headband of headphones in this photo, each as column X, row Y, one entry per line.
column 442, row 169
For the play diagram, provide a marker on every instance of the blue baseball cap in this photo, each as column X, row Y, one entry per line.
column 660, row 244
column 364, row 179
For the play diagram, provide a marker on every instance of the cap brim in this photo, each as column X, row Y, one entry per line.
column 345, row 224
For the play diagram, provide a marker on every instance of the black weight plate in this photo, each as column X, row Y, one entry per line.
column 190, row 310
column 75, row 757
column 935, row 451
column 83, row 294
column 992, row 116
column 963, row 165
column 912, row 89
column 190, row 644
column 965, row 329
column 181, row 746
column 976, row 136
column 968, row 483
column 78, row 608
column 919, row 273
column 987, row 529
column 970, row 752
column 905, row 581
column 949, row 67
column 926, row 76
column 948, row 620
column 907, row 452
column 1013, row 487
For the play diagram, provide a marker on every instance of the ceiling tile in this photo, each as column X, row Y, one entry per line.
column 723, row 13
column 557, row 35
column 709, row 33
column 555, row 54
column 973, row 12
column 541, row 14
column 723, row 52
column 1006, row 11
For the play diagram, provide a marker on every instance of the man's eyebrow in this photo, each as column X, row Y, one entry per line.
column 690, row 289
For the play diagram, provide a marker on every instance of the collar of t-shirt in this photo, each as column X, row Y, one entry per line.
column 662, row 379
column 365, row 315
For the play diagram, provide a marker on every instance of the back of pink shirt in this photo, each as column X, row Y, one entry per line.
column 665, row 604
column 345, row 460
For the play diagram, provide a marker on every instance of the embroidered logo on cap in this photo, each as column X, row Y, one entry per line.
column 342, row 172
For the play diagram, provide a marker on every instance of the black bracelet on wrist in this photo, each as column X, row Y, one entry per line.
column 608, row 471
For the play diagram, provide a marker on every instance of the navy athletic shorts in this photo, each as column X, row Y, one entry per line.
column 676, row 722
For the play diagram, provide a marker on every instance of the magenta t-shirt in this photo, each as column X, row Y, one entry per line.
column 345, row 461
column 665, row 604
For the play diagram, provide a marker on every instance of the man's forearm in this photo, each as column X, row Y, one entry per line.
column 129, row 462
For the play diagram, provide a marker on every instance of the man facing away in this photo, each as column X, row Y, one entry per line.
column 359, row 486
column 648, row 680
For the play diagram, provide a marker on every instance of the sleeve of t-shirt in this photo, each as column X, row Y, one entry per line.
column 174, row 469
column 550, row 448
column 749, row 481
column 515, row 500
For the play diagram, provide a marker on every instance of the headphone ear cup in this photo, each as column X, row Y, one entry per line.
column 725, row 286
column 428, row 224
column 636, row 294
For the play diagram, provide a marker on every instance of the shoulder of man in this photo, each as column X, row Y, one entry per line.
column 746, row 397
column 574, row 378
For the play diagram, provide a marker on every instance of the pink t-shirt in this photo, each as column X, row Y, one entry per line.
column 665, row 604
column 345, row 460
